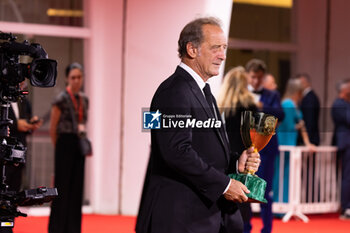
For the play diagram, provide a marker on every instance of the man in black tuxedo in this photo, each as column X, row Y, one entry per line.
column 310, row 107
column 23, row 124
column 186, row 187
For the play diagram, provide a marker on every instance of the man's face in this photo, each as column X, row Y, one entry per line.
column 211, row 52
column 255, row 79
column 269, row 82
column 345, row 92
column 304, row 83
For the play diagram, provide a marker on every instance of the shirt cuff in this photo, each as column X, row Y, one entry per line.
column 229, row 183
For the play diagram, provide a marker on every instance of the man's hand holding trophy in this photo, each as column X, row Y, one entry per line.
column 257, row 128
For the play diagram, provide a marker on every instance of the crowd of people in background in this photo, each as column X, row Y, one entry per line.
column 298, row 113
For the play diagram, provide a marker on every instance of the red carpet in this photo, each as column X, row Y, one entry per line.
column 123, row 224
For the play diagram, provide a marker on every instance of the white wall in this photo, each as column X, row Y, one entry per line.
column 153, row 28
column 103, row 61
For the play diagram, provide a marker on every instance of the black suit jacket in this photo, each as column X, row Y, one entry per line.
column 310, row 107
column 187, row 170
column 14, row 173
column 25, row 112
column 341, row 120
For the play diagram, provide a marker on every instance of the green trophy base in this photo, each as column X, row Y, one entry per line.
column 256, row 186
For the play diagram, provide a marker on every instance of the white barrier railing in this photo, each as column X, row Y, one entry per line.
column 314, row 182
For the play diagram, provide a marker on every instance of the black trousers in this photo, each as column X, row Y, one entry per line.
column 345, row 181
column 69, row 180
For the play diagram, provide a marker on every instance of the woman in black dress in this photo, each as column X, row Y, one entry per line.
column 68, row 121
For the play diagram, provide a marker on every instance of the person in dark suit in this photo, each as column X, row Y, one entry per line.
column 341, row 120
column 268, row 102
column 23, row 124
column 186, row 188
column 310, row 108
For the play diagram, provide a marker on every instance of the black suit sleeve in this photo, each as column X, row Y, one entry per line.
column 341, row 119
column 176, row 148
column 341, row 115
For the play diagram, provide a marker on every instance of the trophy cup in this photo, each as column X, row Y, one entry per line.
column 256, row 130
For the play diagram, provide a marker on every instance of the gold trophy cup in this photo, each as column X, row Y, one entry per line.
column 256, row 130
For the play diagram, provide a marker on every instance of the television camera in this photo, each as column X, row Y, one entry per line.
column 41, row 72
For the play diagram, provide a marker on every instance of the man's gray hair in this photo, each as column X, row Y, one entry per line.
column 341, row 84
column 304, row 75
column 193, row 33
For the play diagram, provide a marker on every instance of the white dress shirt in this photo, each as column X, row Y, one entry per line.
column 15, row 109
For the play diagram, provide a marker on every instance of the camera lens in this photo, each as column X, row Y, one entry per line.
column 43, row 73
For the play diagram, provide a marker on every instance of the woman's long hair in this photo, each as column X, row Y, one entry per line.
column 234, row 91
